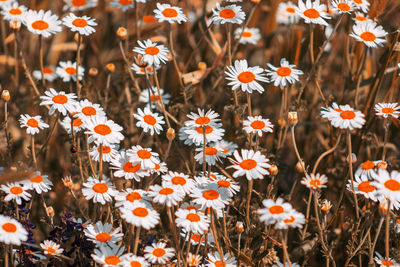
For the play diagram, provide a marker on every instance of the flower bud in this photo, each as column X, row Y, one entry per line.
column 171, row 134
column 202, row 66
column 5, row 95
column 15, row 25
column 93, row 72
column 110, row 67
column 281, row 123
column 292, row 117
column 122, row 33
column 50, row 211
column 76, row 37
column 273, row 170
column 299, row 166
column 353, row 158
column 68, row 182
column 239, row 226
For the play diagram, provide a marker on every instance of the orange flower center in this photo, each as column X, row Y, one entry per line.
column 129, row 167
column 37, row 179
column 149, row 119
column 106, row 149
column 132, row 197
column 247, row 34
column 125, row 2
column 246, row 77
column 16, row 190
column 290, row 220
column 9, row 227
column 196, row 238
column 15, row 11
column 60, row 99
column 170, row 13
column 366, row 187
column 89, row 111
column 144, row 154
column 361, row 18
column 208, row 129
column 392, row 185
column 224, row 183
column 32, row 123
column 47, row 70
column 211, row 176
column 315, row 183
column 348, row 115
column 258, row 125
column 343, row 7
column 178, row 180
column 218, row 263
column 159, row 252
column 136, row 264
column 202, row 120
column 152, row 50
column 311, row 13
column 358, row 1
column 211, row 151
column 166, row 191
column 248, row 164
column 102, row 129
column 51, row 250
column 78, row 3
column 276, row 209
column 290, row 10
column 193, row 217
column 210, row 194
column 368, row 165
column 77, row 122
column 80, row 23
column 227, row 13
column 284, row 71
column 149, row 19
column 70, row 70
column 40, row 25
column 154, row 98
column 387, row 263
column 140, row 212
column 368, row 36
column 103, row 237
column 388, row 110
column 100, row 188
column 112, row 260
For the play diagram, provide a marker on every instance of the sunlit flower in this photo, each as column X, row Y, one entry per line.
column 102, row 234
column 315, row 181
column 40, row 183
column 343, row 6
column 13, row 11
column 169, row 195
column 42, row 23
column 108, row 255
column 82, row 25
column 178, row 179
column 51, row 248
column 214, row 260
column 152, row 53
column 210, row 196
column 125, row 167
column 362, row 5
column 171, row 14
column 11, row 231
column 147, row 158
column 257, row 125
column 59, row 101
column 370, row 33
column 159, row 168
column 286, row 13
column 109, row 152
column 284, row 74
column 16, row 191
column 133, row 261
column 86, row 109
column 158, row 253
column 202, row 119
column 344, row 117
column 49, row 74
column 388, row 184
column 99, row 191
column 227, row 147
column 151, row 97
column 248, row 36
column 295, row 220
column 228, row 14
column 387, row 110
column 364, row 187
column 192, row 221
column 33, row 124
column 140, row 214
column 149, row 121
column 123, row 4
column 67, row 71
column 103, row 131
column 252, row 164
column 382, row 261
column 312, row 12
column 244, row 77
column 274, row 211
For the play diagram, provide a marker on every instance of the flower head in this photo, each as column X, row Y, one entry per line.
column 312, row 12
column 140, row 214
column 192, row 220
column 42, row 23
column 16, row 191
column 149, row 121
column 103, row 131
column 275, row 211
column 248, row 35
column 108, row 255
column 171, row 14
column 102, row 234
column 284, row 74
column 40, row 183
column 252, row 164
column 169, row 195
column 59, row 101
column 286, row 13
column 152, row 53
column 11, row 231
column 343, row 6
column 13, row 11
column 314, row 182
column 67, row 71
column 370, row 33
column 99, row 191
column 257, row 125
column 51, row 248
column 228, row 14
column 387, row 110
column 83, row 25
column 343, row 117
column 158, row 253
column 33, row 124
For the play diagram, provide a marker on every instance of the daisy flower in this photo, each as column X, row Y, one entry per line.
column 228, row 147
column 140, row 214
column 142, row 70
column 67, row 71
column 171, row 14
column 130, row 196
column 202, row 119
column 248, row 36
column 370, row 33
column 149, row 121
column 252, row 164
column 13, row 11
column 102, row 234
column 133, row 261
column 286, row 13
column 179, row 180
column 82, row 25
column 195, row 238
column 228, row 14
column 16, row 191
column 360, row 17
column 367, row 168
column 159, row 168
column 99, row 191
column 59, row 101
column 33, row 124
column 108, row 255
column 195, row 135
column 295, row 220
column 326, row 205
column 364, row 187
column 103, row 131
column 213, row 154
column 387, row 110
column 77, row 124
column 150, row 96
column 40, row 183
column 78, row 5
column 42, row 23
column 86, row 109
column 240, row 75
column 109, row 152
column 193, row 260
column 274, row 211
column 145, row 156
column 315, row 181
column 210, row 196
column 343, row 6
column 362, row 5
column 127, row 168
column 379, row 259
column 167, row 194
column 192, row 221
column 11, row 231
column 284, row 74
column 122, row 4
column 225, row 182
column 158, row 253
column 49, row 74
column 388, row 184
column 344, row 117
column 153, row 54
column 257, row 125
column 51, row 248
column 312, row 12
column 214, row 260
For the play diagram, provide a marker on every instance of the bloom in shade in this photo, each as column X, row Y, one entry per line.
column 123, row 4
column 364, row 187
column 362, row 4
column 127, row 168
column 171, row 14
column 158, row 253
column 387, row 110
column 147, row 158
column 257, row 125
column 228, row 14
column 13, row 11
column 49, row 74
column 134, row 261
column 149, row 121
column 108, row 255
column 109, row 152
column 140, row 214
column 16, row 191
column 284, row 74
column 315, row 181
column 343, row 6
column 167, row 194
column 213, row 154
column 102, row 234
column 388, row 184
column 33, row 124
column 252, row 164
column 178, row 179
column 11, row 231
column 78, row 5
column 214, row 260
column 67, row 71
column 195, row 135
column 82, row 25
column 99, row 191
column 42, row 23
column 103, row 131
column 295, row 220
column 59, row 101
column 286, row 13
column 192, row 220
column 248, row 35
column 274, row 211
column 242, row 76
column 210, row 196
column 343, row 117
column 40, row 183
column 51, row 248
column 312, row 12
column 370, row 33
column 383, row 262
column 153, row 54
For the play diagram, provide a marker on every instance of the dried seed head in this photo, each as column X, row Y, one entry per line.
column 15, row 25
column 68, row 182
column 239, row 226
column 110, row 67
column 5, row 95
column 273, row 170
column 170, row 134
column 122, row 33
column 292, row 117
column 93, row 72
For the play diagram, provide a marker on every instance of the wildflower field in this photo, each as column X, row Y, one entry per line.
column 199, row 133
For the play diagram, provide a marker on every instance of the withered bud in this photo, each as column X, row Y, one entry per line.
column 50, row 211
column 326, row 206
column 239, row 226
column 93, row 72
column 5, row 95
column 68, row 182
column 273, row 169
column 15, row 25
column 122, row 33
column 170, row 134
column 293, row 118
column 110, row 67
column 299, row 166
